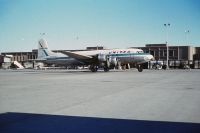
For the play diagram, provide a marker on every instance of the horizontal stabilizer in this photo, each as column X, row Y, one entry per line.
column 42, row 59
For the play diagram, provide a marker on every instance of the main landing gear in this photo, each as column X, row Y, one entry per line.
column 93, row 68
column 106, row 69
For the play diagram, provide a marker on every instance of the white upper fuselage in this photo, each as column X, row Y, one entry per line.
column 108, row 51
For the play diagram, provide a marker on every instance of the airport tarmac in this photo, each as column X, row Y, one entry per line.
column 155, row 95
column 172, row 95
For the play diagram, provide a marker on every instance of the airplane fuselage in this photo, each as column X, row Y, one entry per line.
column 122, row 55
column 66, row 61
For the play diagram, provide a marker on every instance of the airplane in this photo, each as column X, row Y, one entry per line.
column 107, row 58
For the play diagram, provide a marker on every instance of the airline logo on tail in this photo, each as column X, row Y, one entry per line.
column 43, row 49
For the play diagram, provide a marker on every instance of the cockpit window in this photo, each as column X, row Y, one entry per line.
column 140, row 52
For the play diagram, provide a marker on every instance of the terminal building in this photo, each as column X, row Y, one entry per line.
column 22, row 56
column 197, row 54
column 159, row 51
column 178, row 56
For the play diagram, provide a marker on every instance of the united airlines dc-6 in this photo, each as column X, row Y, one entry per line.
column 106, row 59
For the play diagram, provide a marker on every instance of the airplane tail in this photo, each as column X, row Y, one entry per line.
column 43, row 50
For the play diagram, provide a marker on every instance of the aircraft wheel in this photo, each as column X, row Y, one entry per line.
column 106, row 69
column 140, row 68
column 94, row 68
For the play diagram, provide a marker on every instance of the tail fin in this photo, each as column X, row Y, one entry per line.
column 43, row 50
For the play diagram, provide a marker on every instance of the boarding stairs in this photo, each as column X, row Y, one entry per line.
column 18, row 65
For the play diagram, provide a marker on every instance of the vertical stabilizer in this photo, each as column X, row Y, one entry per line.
column 43, row 50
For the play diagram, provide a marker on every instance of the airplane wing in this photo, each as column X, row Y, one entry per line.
column 77, row 56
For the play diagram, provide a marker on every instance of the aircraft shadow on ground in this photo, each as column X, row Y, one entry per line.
column 34, row 123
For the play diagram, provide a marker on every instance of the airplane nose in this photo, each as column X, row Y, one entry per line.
column 149, row 58
column 152, row 58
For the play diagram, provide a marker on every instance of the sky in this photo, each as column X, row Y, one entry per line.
column 76, row 24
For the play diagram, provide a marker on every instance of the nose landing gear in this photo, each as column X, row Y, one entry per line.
column 140, row 68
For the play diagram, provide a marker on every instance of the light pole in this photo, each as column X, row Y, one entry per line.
column 167, row 37
column 187, row 32
column 42, row 34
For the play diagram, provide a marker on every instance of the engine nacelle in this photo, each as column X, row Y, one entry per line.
column 102, row 57
column 113, row 61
